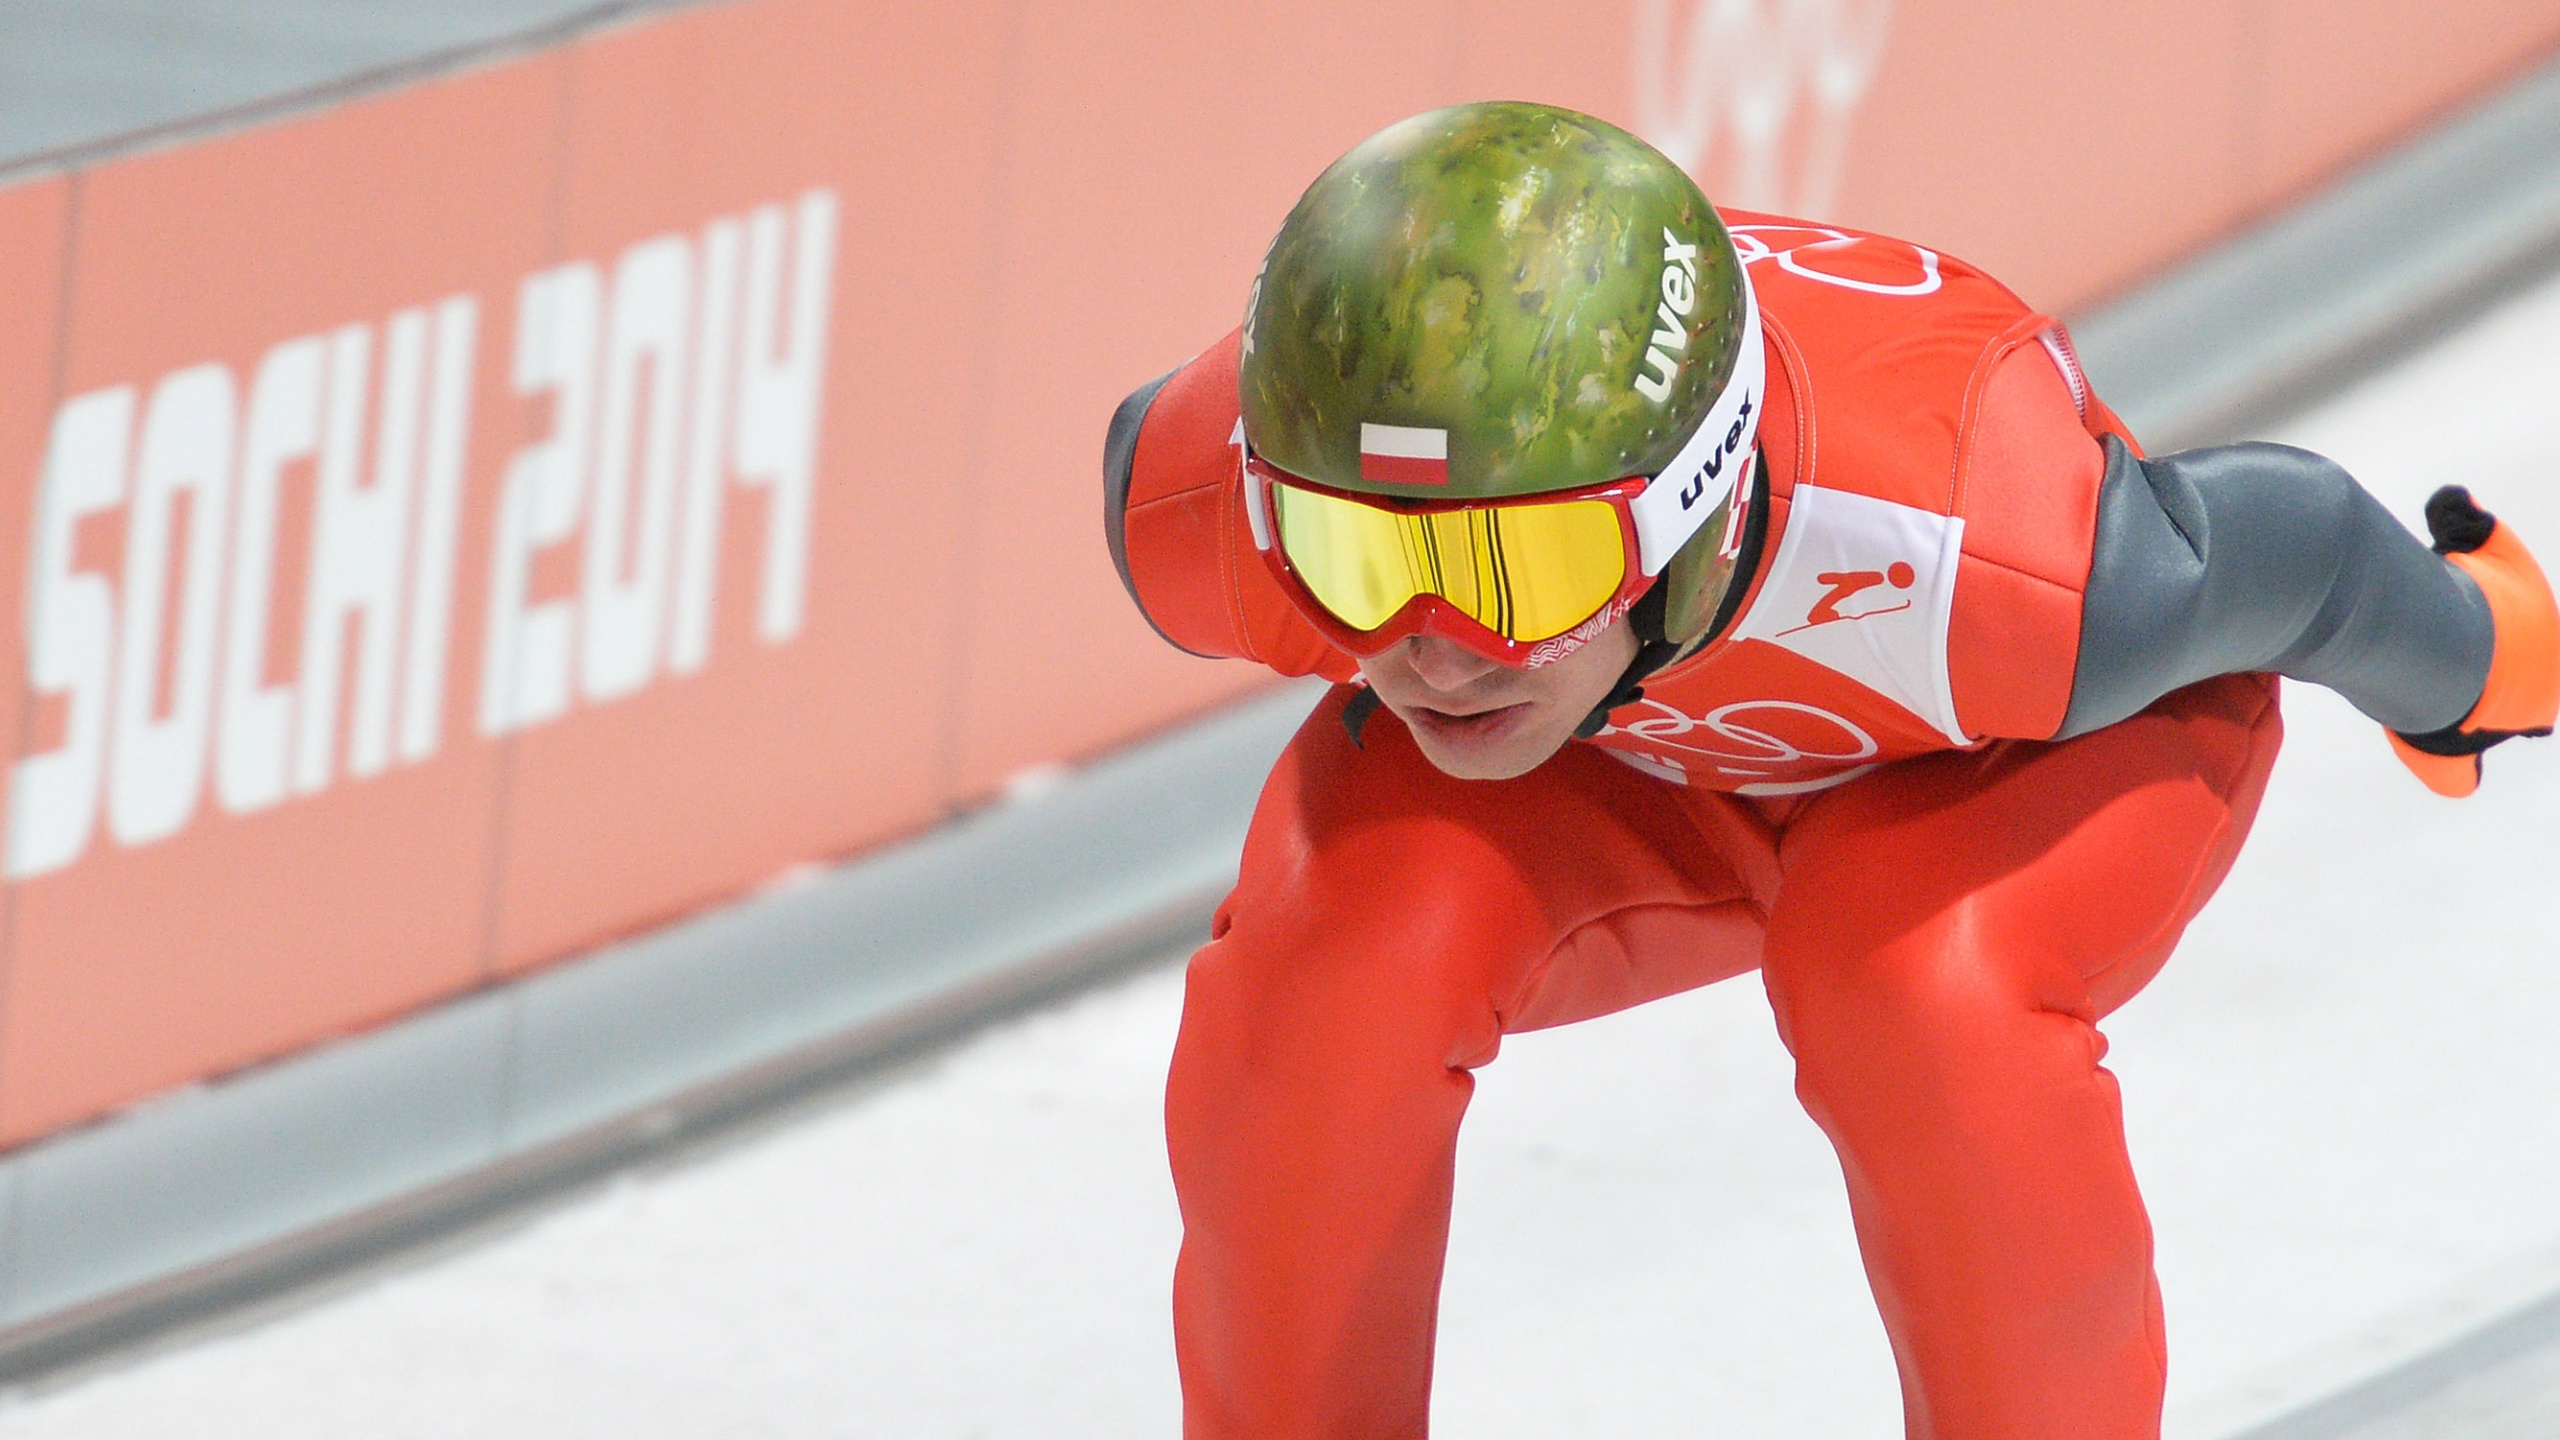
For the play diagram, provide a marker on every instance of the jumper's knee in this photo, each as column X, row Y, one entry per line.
column 1928, row 1029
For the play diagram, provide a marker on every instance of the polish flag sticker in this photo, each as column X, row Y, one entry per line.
column 1403, row 455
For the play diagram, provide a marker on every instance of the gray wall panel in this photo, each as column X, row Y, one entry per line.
column 74, row 72
column 1109, row 847
column 215, row 1169
column 2339, row 284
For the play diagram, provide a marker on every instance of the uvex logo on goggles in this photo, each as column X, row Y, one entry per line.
column 1523, row 581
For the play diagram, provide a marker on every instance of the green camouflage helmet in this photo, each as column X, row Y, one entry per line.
column 1549, row 290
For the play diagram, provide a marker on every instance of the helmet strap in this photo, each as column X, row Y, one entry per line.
column 1654, row 650
column 1356, row 712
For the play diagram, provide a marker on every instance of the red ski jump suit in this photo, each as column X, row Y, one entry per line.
column 1851, row 789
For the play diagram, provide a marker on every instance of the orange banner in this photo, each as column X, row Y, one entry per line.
column 268, row 815
column 461, row 526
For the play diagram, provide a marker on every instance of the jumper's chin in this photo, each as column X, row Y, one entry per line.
column 1478, row 719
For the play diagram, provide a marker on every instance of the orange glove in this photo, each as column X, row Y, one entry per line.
column 2522, row 694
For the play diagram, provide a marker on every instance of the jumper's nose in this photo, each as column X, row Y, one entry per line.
column 1445, row 664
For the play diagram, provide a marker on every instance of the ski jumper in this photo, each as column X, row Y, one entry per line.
column 1855, row 788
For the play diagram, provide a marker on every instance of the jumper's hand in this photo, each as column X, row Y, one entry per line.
column 2522, row 695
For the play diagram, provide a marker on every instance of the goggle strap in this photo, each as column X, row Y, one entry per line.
column 1697, row 481
column 1257, row 492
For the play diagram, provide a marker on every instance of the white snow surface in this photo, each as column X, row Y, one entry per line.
column 2343, row 1095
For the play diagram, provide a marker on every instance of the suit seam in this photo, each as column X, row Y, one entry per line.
column 2024, row 574
column 1977, row 396
column 1171, row 495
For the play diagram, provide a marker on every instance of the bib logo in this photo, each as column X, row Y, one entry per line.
column 1848, row 587
column 1755, row 97
column 320, row 497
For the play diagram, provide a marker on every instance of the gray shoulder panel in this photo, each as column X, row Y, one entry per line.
column 2264, row 557
column 1119, row 457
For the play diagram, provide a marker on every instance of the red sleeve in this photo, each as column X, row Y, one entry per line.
column 1189, row 548
column 2029, row 474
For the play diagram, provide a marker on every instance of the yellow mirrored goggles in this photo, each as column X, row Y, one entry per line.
column 1524, row 570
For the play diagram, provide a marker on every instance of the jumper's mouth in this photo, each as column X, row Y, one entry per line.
column 1471, row 725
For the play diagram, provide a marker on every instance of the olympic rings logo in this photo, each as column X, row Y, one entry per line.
column 1830, row 739
column 1753, row 243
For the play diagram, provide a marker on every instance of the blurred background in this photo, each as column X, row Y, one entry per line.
column 593, row 845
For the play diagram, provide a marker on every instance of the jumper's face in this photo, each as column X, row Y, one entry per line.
column 1478, row 719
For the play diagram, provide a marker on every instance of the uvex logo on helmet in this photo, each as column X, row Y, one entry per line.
column 1679, row 297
